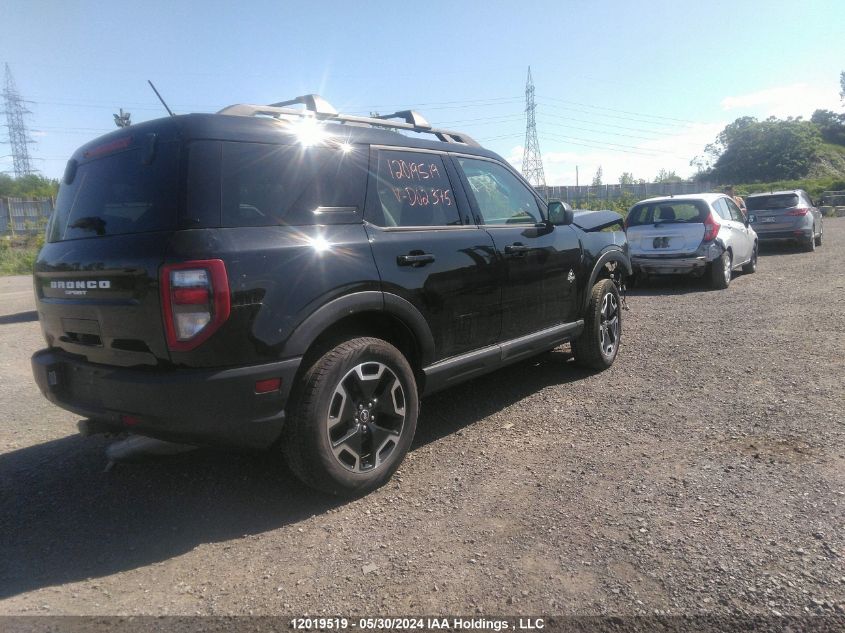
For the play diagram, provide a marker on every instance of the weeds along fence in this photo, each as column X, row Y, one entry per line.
column 574, row 194
column 24, row 215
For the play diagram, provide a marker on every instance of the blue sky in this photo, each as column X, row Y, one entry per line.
column 630, row 86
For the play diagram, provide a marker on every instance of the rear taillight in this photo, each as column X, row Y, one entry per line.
column 194, row 301
column 711, row 228
column 798, row 211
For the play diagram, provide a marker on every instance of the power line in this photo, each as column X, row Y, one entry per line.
column 595, row 107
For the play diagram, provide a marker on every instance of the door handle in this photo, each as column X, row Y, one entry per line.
column 415, row 259
column 516, row 249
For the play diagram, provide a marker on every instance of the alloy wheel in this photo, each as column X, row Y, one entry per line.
column 366, row 417
column 609, row 326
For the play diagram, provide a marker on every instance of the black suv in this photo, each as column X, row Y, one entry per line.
column 270, row 276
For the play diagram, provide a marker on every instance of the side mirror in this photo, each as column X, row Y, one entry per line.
column 560, row 213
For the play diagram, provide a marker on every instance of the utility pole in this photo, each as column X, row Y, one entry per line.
column 15, row 111
column 532, row 162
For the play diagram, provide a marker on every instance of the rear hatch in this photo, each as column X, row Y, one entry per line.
column 776, row 212
column 667, row 228
column 96, row 278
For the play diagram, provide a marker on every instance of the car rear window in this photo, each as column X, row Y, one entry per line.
column 130, row 191
column 780, row 201
column 267, row 185
column 676, row 211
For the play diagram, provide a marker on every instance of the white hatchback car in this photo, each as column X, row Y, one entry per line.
column 700, row 234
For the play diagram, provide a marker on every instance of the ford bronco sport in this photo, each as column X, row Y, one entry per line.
column 294, row 278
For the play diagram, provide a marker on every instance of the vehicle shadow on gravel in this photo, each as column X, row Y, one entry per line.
column 780, row 248
column 670, row 285
column 63, row 519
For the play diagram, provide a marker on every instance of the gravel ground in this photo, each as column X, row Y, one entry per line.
column 703, row 473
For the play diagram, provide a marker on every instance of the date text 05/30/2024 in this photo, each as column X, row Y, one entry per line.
column 418, row 624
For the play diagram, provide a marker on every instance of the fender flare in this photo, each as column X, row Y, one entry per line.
column 354, row 303
column 610, row 255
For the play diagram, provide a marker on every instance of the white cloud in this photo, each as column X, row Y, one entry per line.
column 798, row 99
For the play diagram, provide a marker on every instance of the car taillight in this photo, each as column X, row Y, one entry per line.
column 798, row 211
column 194, row 301
column 711, row 228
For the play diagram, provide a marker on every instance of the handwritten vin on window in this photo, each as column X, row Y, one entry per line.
column 418, row 184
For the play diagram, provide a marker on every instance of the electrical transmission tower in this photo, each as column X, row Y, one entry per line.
column 18, row 137
column 532, row 162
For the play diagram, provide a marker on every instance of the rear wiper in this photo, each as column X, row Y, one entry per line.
column 90, row 223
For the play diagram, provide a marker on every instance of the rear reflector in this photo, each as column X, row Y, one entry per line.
column 195, row 301
column 268, row 385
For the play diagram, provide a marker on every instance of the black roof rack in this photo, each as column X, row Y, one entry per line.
column 319, row 108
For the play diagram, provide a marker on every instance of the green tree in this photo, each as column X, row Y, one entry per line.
column 831, row 125
column 667, row 176
column 597, row 177
column 749, row 150
column 627, row 178
column 31, row 186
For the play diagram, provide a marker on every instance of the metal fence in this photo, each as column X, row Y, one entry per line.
column 611, row 192
column 19, row 215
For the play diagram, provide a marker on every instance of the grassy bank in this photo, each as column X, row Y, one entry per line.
column 17, row 260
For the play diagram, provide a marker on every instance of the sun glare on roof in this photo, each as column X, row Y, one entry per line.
column 309, row 132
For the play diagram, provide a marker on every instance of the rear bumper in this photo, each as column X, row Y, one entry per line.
column 678, row 265
column 794, row 234
column 214, row 407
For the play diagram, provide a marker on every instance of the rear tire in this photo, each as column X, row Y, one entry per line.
column 598, row 344
column 819, row 238
column 719, row 272
column 352, row 417
column 809, row 245
column 751, row 266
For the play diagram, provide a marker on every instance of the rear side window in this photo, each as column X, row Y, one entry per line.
column 781, row 201
column 677, row 211
column 413, row 190
column 268, row 185
column 131, row 191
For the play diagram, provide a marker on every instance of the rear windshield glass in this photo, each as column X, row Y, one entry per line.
column 265, row 185
column 782, row 201
column 119, row 194
column 675, row 211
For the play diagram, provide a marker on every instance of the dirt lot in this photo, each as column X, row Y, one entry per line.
column 705, row 472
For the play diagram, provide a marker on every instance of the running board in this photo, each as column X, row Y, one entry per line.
column 447, row 372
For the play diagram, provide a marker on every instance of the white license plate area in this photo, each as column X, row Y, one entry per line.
column 767, row 220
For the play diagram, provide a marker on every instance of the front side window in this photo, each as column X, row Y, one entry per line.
column 502, row 199
column 413, row 189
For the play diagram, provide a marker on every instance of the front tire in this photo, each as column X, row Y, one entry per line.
column 598, row 344
column 720, row 271
column 353, row 417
